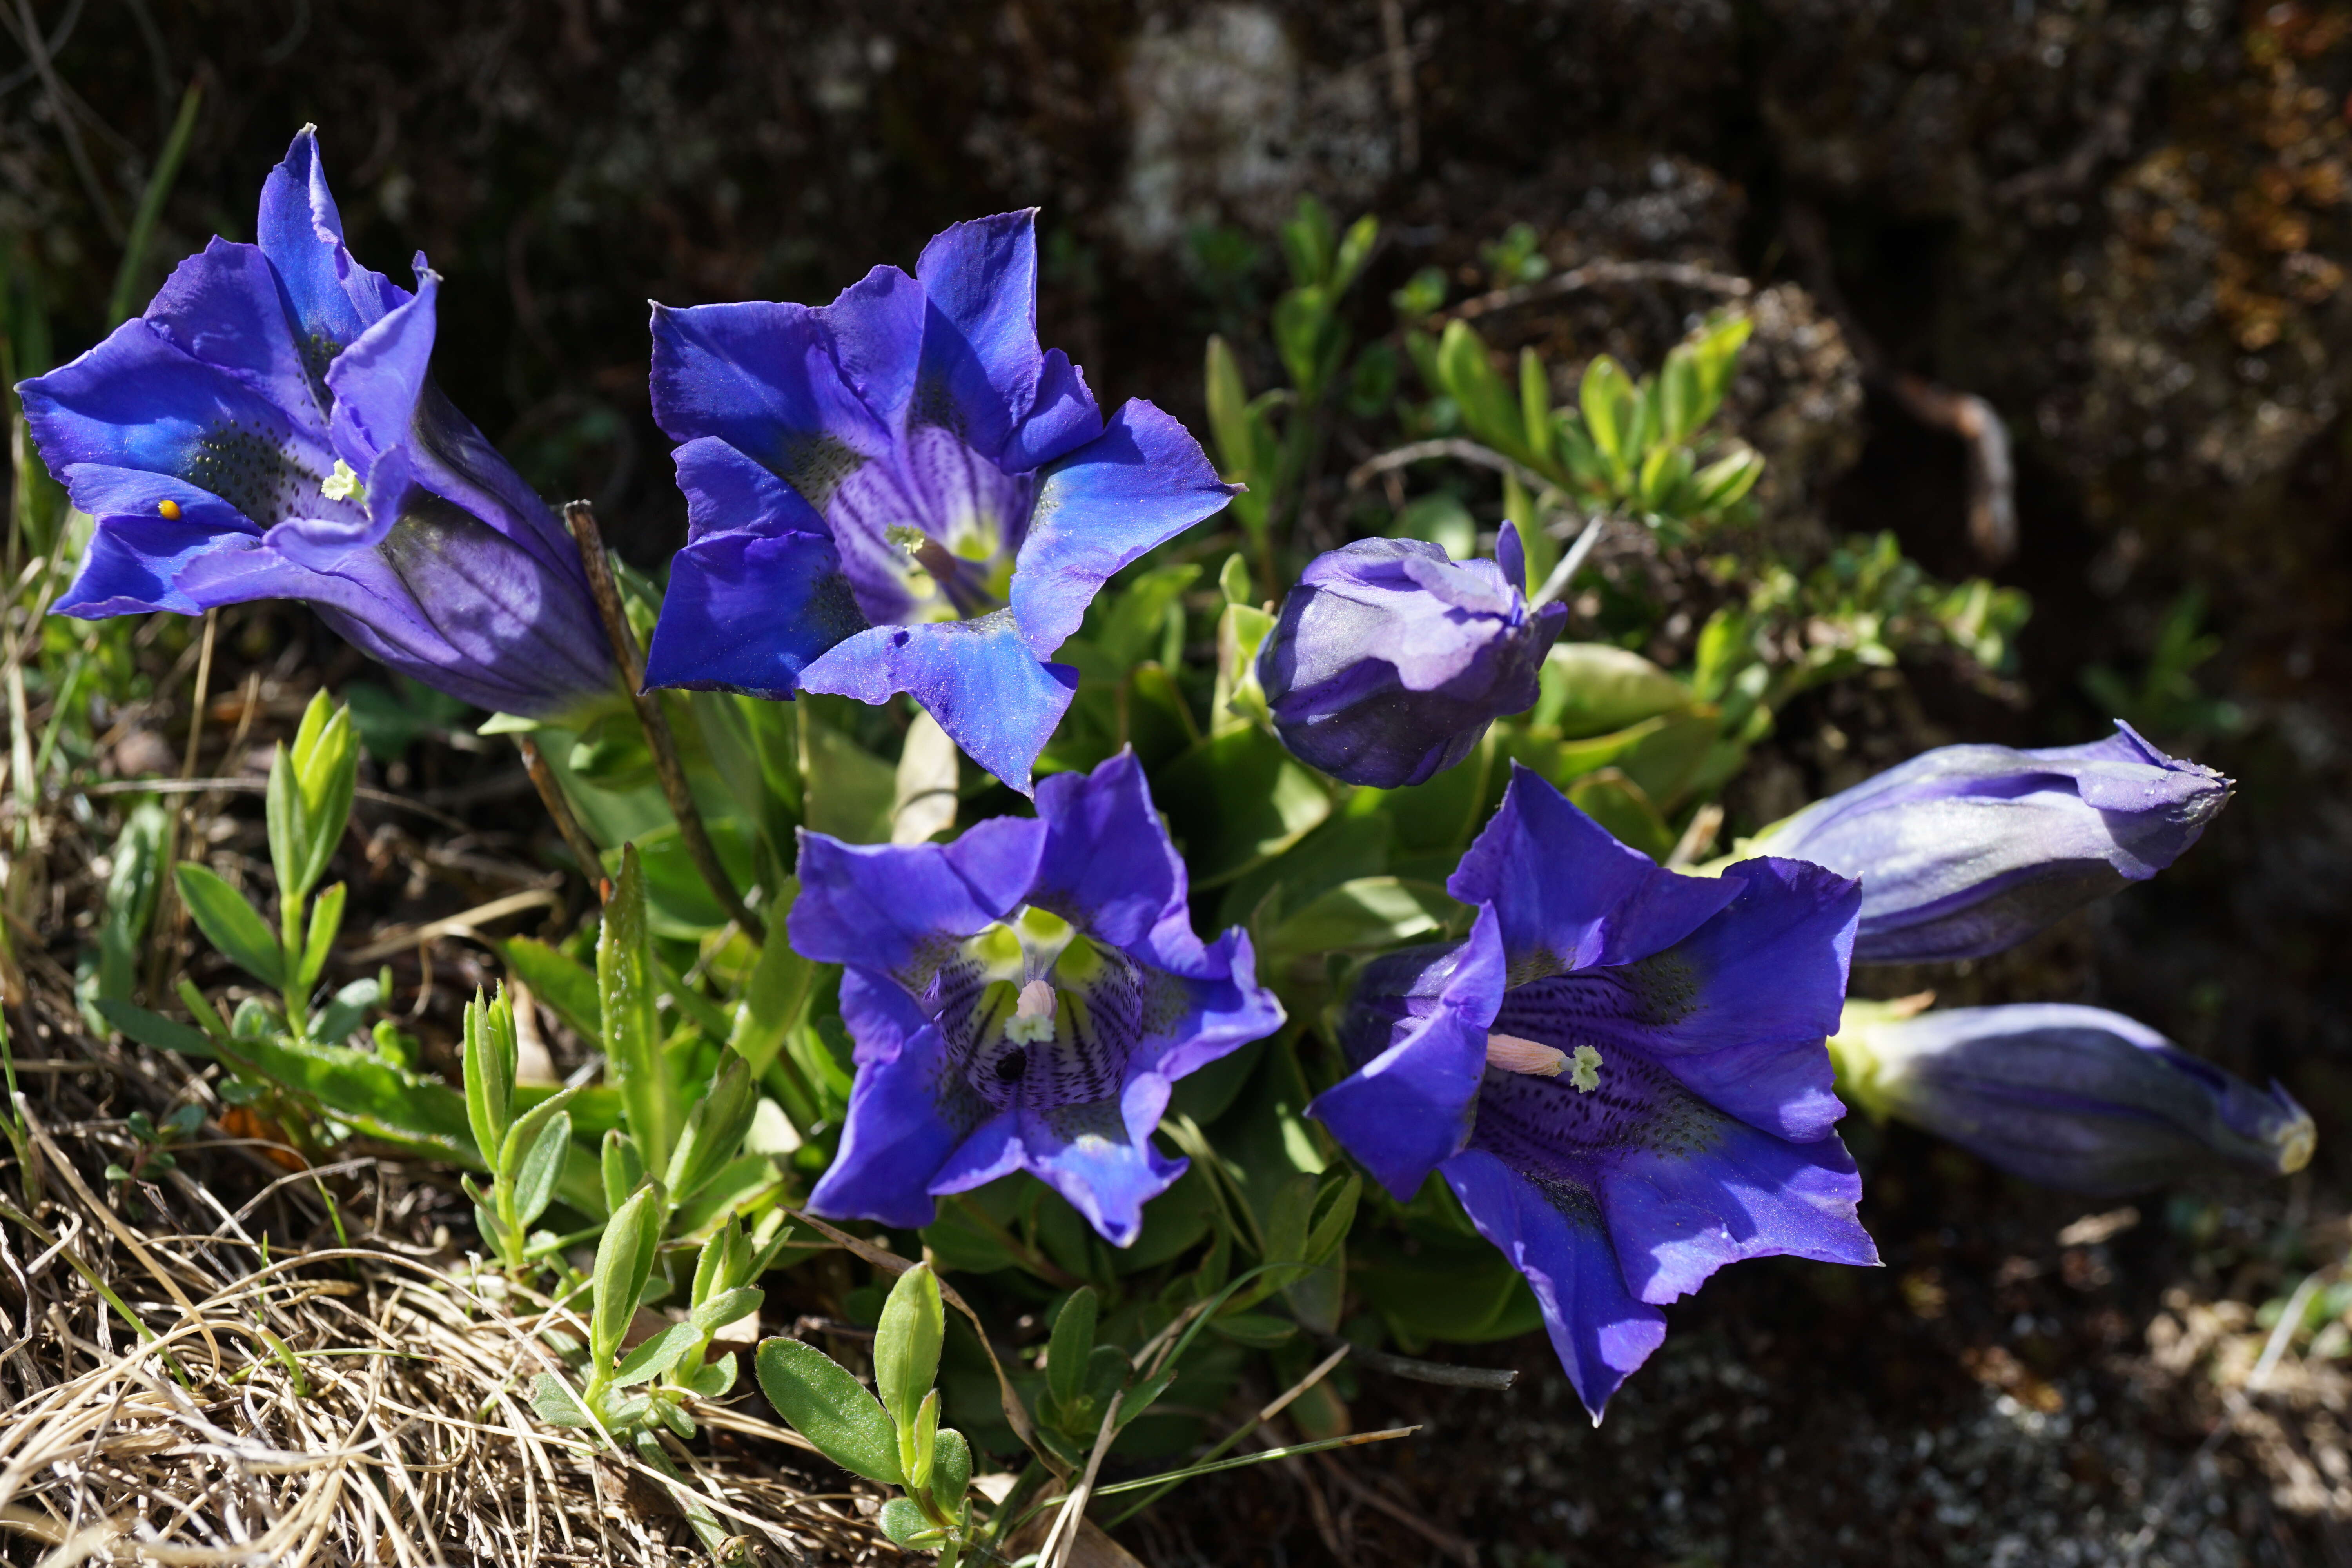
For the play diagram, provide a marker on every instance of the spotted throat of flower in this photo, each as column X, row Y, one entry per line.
column 1035, row 1015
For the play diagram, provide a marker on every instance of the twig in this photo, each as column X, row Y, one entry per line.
column 401, row 938
column 1570, row 564
column 1495, row 1379
column 2108, row 136
column 1594, row 274
column 1400, row 93
column 691, row 831
column 35, row 47
column 1452, row 447
column 567, row 826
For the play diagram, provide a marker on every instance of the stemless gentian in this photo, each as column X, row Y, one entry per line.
column 268, row 430
column 1621, row 1073
column 900, row 492
column 1390, row 658
column 1966, row 850
column 2069, row 1097
column 1020, row 998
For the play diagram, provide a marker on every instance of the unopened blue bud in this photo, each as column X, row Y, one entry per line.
column 1966, row 850
column 1390, row 658
column 2074, row 1097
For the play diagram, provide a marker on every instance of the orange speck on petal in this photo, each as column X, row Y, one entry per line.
column 170, row 509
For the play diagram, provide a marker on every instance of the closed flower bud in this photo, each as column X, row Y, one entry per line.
column 1966, row 850
column 2074, row 1097
column 1391, row 658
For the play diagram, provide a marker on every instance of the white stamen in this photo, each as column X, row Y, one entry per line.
column 1512, row 1053
column 1032, row 1023
column 1584, row 1073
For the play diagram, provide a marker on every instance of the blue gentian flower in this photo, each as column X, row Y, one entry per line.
column 1966, row 850
column 900, row 492
column 268, row 430
column 2069, row 1097
column 1621, row 1073
column 1390, row 658
column 1020, row 998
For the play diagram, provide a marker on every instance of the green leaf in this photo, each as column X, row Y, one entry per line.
column 539, row 1144
column 554, row 1403
column 363, row 1089
column 776, row 998
column 726, row 1306
column 951, row 1469
column 656, row 1355
column 918, row 1441
column 344, row 1011
column 625, row 1261
column 1262, row 1331
column 1592, row 688
column 819, row 1399
column 326, row 920
column 906, row 1342
column 740, row 1184
column 1606, row 397
column 626, row 987
column 325, row 767
column 1238, row 429
column 230, row 923
column 714, row 1129
column 487, row 1067
column 1131, row 627
column 1237, row 799
column 133, row 879
column 1233, row 582
column 1535, row 408
column 620, row 1167
column 1358, row 916
column 1489, row 408
column 155, row 1030
column 1355, row 251
column 1727, row 479
column 1621, row 805
column 1072, row 1343
column 904, row 1523
column 849, row 791
column 567, row 987
column 289, row 828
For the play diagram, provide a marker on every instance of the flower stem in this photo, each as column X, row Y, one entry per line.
column 664, row 745
column 567, row 826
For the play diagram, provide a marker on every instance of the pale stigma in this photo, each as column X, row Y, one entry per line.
column 1032, row 1023
column 1584, row 1071
column 343, row 484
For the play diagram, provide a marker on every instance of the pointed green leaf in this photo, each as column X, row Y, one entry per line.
column 1072, row 1343
column 1607, row 399
column 230, row 923
column 906, row 1342
column 656, row 1355
column 714, row 1129
column 621, row 1168
column 726, row 1307
column 326, row 921
column 554, row 1403
column 951, row 1469
column 625, row 1261
column 776, row 998
column 818, row 1397
column 539, row 1163
column 155, row 1030
column 567, row 987
column 486, row 1066
column 625, row 986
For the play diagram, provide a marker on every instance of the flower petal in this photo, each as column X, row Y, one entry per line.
column 136, row 556
column 909, row 1111
column 1229, row 1007
column 765, row 379
column 1411, row 1107
column 334, row 298
column 747, row 613
column 1600, row 1333
column 137, row 401
column 1141, row 482
column 898, row 908
column 1063, row 417
column 223, row 307
column 1678, row 1216
column 1100, row 1157
column 979, row 340
column 1736, row 1012
column 977, row 678
column 1569, row 895
column 1108, row 865
column 876, row 326
column 727, row 493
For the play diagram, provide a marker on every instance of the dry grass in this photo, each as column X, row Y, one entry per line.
column 231, row 1361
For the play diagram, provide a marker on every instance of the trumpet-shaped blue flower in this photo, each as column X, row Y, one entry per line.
column 1621, row 1073
column 267, row 430
column 900, row 492
column 1965, row 850
column 2070, row 1097
column 1020, row 998
column 1391, row 658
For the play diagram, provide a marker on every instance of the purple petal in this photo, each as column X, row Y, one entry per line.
column 1063, row 417
column 1141, row 482
column 333, row 296
column 136, row 555
column 898, row 907
column 223, row 307
column 1100, row 1157
column 1228, row 1008
column 877, row 327
column 1411, row 1107
column 980, row 341
column 746, row 612
column 763, row 378
column 977, row 678
column 1677, row 1216
column 1108, row 866
column 1567, row 894
column 137, row 401
column 727, row 493
column 1600, row 1333
column 909, row 1111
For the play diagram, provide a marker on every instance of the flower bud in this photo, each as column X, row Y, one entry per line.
column 1390, row 658
column 2074, row 1097
column 1966, row 850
